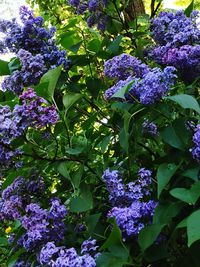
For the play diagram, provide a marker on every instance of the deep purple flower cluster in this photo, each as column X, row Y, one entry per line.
column 34, row 46
column 149, row 128
column 36, row 110
column 22, row 263
column 130, row 210
column 17, row 195
column 176, row 29
column 95, row 8
column 177, row 43
column 196, row 141
column 53, row 256
column 124, row 66
column 32, row 69
column 42, row 225
column 149, row 89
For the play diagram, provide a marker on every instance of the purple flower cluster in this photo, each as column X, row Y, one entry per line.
column 176, row 29
column 42, row 225
column 149, row 128
column 53, row 256
column 32, row 69
column 153, row 86
column 148, row 89
column 177, row 43
column 34, row 46
column 36, row 110
column 196, row 141
column 124, row 66
column 17, row 195
column 95, row 8
column 130, row 210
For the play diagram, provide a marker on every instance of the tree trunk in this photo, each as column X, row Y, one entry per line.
column 133, row 9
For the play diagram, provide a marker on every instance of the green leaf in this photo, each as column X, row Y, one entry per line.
column 164, row 174
column 94, row 45
column 12, row 260
column 70, row 99
column 63, row 169
column 193, row 223
column 115, row 237
column 120, row 93
column 50, row 79
column 170, row 137
column 192, row 173
column 185, row 101
column 74, row 48
column 3, row 241
column 107, row 259
column 189, row 196
column 82, row 203
column 92, row 221
column 67, row 39
column 165, row 212
column 114, row 46
column 14, row 65
column 189, row 9
column 149, row 234
column 4, row 69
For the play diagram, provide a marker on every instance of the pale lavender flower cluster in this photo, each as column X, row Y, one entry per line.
column 196, row 141
column 177, row 43
column 130, row 208
column 95, row 9
column 149, row 128
column 34, row 46
column 53, row 256
column 42, row 225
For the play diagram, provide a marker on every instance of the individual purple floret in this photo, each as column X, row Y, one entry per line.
column 149, row 128
column 196, row 141
column 123, row 66
column 53, row 256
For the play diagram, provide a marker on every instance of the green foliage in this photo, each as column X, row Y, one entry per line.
column 93, row 135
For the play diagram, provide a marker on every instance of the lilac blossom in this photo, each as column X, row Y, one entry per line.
column 196, row 140
column 60, row 256
column 95, row 9
column 149, row 128
column 123, row 66
column 130, row 210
